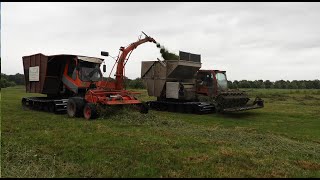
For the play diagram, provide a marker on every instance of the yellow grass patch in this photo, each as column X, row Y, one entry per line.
column 307, row 165
column 226, row 152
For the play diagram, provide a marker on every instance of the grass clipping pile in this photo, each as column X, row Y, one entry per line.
column 127, row 115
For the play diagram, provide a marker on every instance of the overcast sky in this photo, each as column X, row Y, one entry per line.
column 250, row 41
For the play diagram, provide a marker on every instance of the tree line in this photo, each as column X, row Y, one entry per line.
column 11, row 80
column 137, row 83
column 280, row 84
column 259, row 84
column 18, row 79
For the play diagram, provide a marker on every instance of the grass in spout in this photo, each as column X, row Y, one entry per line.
column 166, row 55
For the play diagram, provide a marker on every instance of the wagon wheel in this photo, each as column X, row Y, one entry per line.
column 90, row 111
column 75, row 106
column 144, row 108
column 24, row 104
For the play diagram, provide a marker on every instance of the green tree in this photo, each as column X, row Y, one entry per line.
column 136, row 84
column 17, row 79
column 235, row 84
column 316, row 84
column 244, row 84
column 230, row 85
column 293, row 85
column 302, row 85
column 281, row 84
column 4, row 82
column 267, row 84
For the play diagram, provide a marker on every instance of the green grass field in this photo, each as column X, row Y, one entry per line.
column 280, row 140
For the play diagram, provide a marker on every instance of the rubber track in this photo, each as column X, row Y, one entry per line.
column 45, row 104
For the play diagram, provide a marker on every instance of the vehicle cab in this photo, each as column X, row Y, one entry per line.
column 81, row 73
column 211, row 82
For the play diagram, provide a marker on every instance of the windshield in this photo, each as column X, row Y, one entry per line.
column 222, row 81
column 89, row 71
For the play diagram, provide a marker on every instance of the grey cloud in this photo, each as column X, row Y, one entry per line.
column 249, row 40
